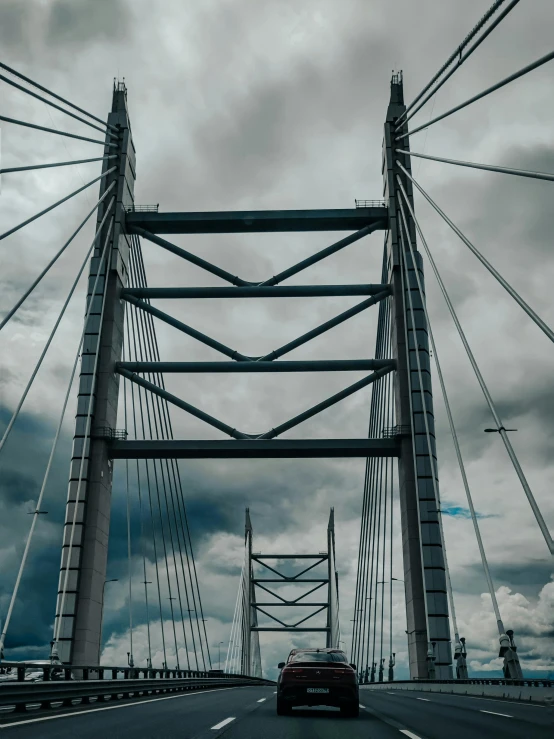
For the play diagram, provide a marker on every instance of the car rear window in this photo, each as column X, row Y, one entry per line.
column 318, row 657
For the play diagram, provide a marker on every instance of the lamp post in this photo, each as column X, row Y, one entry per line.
column 114, row 579
column 219, row 654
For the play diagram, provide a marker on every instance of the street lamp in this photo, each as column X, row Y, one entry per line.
column 114, row 579
column 219, row 654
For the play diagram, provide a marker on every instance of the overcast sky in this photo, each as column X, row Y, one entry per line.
column 280, row 104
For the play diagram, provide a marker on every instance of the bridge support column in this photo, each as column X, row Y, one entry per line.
column 427, row 613
column 85, row 541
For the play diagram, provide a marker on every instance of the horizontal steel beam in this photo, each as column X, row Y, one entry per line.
column 258, row 221
column 253, row 448
column 325, row 365
column 287, row 580
column 321, row 555
column 289, row 628
column 256, row 291
column 296, row 605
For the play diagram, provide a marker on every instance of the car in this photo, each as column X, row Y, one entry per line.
column 318, row 677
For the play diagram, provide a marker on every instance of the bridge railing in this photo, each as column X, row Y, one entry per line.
column 527, row 682
column 83, row 685
column 19, row 672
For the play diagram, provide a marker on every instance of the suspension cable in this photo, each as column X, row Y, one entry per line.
column 55, row 205
column 52, row 333
column 456, row 53
column 501, row 430
column 404, row 118
column 484, row 93
column 25, row 295
column 509, row 289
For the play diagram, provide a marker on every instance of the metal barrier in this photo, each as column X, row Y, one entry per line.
column 528, row 683
column 66, row 689
column 534, row 690
column 370, row 203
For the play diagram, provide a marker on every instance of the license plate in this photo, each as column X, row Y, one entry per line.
column 317, row 690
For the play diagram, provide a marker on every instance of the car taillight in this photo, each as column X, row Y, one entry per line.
column 340, row 672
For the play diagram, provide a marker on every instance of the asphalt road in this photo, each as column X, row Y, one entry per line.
column 249, row 713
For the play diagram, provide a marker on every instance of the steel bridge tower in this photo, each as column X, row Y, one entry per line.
column 252, row 585
column 82, row 575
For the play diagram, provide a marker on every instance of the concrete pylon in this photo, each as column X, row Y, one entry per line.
column 429, row 648
column 87, row 521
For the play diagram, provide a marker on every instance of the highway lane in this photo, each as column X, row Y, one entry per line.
column 436, row 716
column 249, row 713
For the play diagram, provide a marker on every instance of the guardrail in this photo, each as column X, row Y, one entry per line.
column 65, row 690
column 530, row 683
column 529, row 690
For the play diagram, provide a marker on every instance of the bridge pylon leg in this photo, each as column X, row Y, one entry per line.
column 429, row 648
column 87, row 521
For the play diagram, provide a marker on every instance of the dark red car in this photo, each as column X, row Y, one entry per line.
column 318, row 677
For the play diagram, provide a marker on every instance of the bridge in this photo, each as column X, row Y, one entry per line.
column 146, row 431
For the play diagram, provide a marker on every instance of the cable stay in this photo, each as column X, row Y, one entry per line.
column 57, row 97
column 55, row 205
column 456, row 53
column 459, row 645
column 55, row 131
column 404, row 118
column 51, row 263
column 509, row 289
column 516, row 75
column 177, row 486
column 500, row 426
column 8, row 170
column 58, row 107
column 487, row 167
column 54, row 329
column 49, row 464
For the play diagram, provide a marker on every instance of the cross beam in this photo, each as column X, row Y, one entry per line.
column 259, row 221
column 253, row 448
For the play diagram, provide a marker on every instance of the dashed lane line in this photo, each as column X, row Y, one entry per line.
column 393, row 723
column 110, row 708
column 468, row 695
column 261, row 700
column 423, row 699
column 223, row 723
column 494, row 713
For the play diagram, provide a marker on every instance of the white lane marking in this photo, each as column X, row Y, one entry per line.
column 223, row 723
column 391, row 693
column 409, row 733
column 274, row 692
column 261, row 700
column 494, row 713
column 110, row 708
column 361, row 706
column 423, row 699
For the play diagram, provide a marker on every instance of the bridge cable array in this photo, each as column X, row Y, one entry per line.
column 377, row 519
